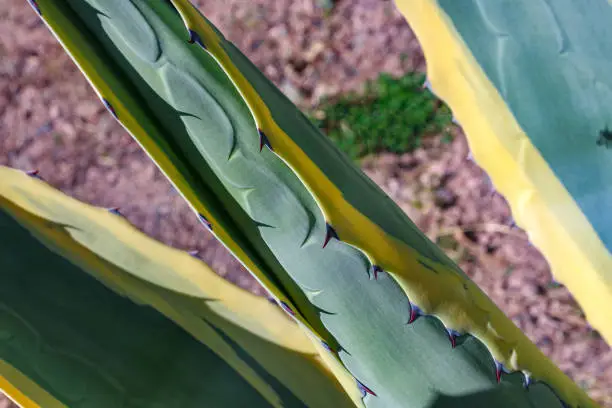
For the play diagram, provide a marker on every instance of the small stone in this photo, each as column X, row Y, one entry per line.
column 444, row 198
column 87, row 109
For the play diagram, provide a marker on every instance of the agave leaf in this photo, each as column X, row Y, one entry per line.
column 174, row 152
column 94, row 313
column 324, row 239
column 529, row 83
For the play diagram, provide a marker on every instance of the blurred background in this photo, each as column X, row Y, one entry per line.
column 356, row 69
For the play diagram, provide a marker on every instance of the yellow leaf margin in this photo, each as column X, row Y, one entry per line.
column 540, row 203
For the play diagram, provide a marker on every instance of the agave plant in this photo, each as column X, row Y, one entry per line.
column 331, row 248
column 96, row 314
column 528, row 82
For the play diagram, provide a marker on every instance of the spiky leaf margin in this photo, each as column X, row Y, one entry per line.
column 363, row 321
column 540, row 202
column 101, row 259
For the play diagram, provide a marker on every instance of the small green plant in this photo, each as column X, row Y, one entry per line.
column 393, row 115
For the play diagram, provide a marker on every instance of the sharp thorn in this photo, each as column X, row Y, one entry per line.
column 34, row 173
column 452, row 335
column 35, row 6
column 555, row 283
column 364, row 390
column 326, row 346
column 330, row 233
column 263, row 140
column 415, row 312
column 376, row 270
column 499, row 370
column 286, row 308
column 205, row 221
column 110, row 108
column 194, row 38
column 114, row 210
column 527, row 380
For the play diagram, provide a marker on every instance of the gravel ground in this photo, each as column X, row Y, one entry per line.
column 51, row 120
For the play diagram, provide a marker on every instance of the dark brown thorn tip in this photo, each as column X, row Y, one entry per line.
column 364, row 390
column 205, row 221
column 452, row 336
column 376, row 270
column 110, row 108
column 114, row 210
column 415, row 312
column 326, row 346
column 194, row 38
column 35, row 6
column 330, row 233
column 286, row 308
column 263, row 140
column 34, row 173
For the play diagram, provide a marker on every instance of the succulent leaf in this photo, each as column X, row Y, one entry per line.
column 529, row 82
column 94, row 313
column 203, row 114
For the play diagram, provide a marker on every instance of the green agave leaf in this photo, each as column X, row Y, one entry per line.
column 340, row 256
column 94, row 313
column 531, row 82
